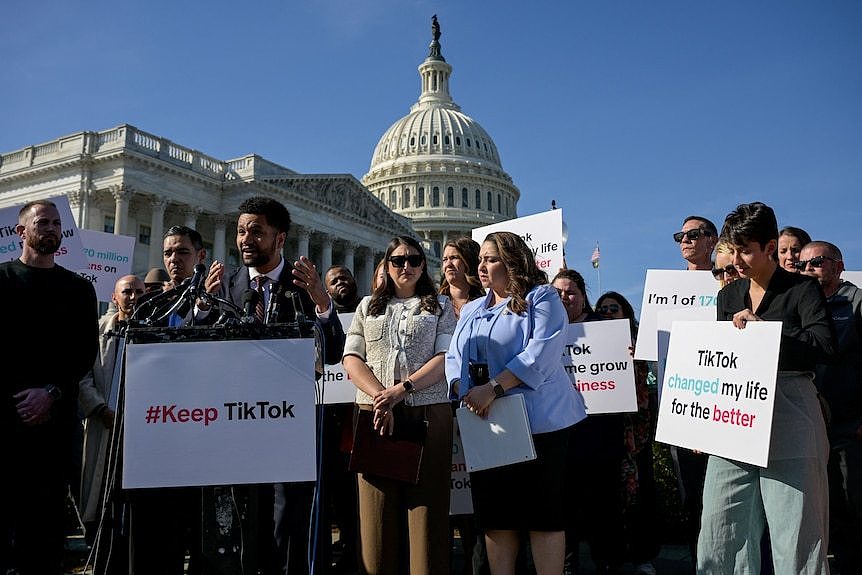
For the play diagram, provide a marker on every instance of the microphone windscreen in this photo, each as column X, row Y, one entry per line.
column 249, row 297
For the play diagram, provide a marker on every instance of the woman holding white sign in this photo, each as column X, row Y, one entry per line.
column 790, row 493
column 511, row 342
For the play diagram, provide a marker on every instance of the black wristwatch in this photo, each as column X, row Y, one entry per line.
column 54, row 391
column 499, row 390
column 408, row 386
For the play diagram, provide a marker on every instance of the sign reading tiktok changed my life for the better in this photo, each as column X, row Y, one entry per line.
column 718, row 388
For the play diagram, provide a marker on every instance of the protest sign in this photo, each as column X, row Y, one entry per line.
column 542, row 232
column 336, row 384
column 110, row 258
column 70, row 254
column 598, row 361
column 719, row 388
column 669, row 289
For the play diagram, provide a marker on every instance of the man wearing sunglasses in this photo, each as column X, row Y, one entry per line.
column 696, row 241
column 840, row 384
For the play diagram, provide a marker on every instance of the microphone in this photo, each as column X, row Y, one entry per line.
column 298, row 312
column 274, row 303
column 197, row 280
column 249, row 303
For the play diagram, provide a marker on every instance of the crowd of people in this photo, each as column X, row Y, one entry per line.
column 492, row 325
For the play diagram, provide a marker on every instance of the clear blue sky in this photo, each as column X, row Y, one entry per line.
column 631, row 115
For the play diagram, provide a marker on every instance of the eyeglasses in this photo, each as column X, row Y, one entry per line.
column 612, row 308
column 729, row 269
column 693, row 235
column 816, row 262
column 415, row 260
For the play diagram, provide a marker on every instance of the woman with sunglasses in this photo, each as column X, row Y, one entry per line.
column 511, row 342
column 791, row 240
column 724, row 271
column 595, row 512
column 639, row 490
column 394, row 354
column 790, row 494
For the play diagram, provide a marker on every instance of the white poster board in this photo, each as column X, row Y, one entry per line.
column 670, row 289
column 337, row 385
column 719, row 388
column 460, row 496
column 853, row 277
column 70, row 255
column 664, row 322
column 598, row 361
column 197, row 415
column 542, row 232
column 110, row 258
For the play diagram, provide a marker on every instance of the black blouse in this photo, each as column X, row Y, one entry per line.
column 796, row 300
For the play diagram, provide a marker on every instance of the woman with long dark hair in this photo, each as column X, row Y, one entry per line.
column 511, row 342
column 394, row 355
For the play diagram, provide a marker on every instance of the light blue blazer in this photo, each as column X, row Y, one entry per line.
column 530, row 345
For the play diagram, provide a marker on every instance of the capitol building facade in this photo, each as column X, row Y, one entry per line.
column 435, row 175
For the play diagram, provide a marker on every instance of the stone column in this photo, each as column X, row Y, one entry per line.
column 219, row 240
column 325, row 253
column 302, row 236
column 79, row 201
column 157, row 230
column 122, row 195
column 349, row 254
column 364, row 282
column 191, row 213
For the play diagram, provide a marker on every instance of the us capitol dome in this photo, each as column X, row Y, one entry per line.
column 438, row 166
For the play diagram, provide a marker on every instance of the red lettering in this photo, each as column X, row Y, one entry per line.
column 733, row 416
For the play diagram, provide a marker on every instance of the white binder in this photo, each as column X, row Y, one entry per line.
column 503, row 438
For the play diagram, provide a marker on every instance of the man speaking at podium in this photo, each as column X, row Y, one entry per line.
column 285, row 294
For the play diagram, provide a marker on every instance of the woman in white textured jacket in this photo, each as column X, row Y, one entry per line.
column 394, row 356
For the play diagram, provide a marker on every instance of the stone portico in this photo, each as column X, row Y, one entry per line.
column 129, row 182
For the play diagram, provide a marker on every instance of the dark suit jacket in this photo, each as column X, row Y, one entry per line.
column 238, row 282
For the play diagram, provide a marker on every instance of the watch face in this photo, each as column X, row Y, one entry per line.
column 499, row 391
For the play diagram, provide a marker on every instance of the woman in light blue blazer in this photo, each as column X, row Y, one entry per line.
column 512, row 342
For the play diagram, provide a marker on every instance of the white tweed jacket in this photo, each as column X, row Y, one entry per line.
column 376, row 341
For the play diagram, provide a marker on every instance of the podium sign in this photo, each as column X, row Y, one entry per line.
column 219, row 413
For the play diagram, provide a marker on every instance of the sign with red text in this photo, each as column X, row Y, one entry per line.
column 336, row 384
column 542, row 232
column 670, row 289
column 719, row 388
column 110, row 258
column 70, row 254
column 460, row 495
column 219, row 413
column 599, row 362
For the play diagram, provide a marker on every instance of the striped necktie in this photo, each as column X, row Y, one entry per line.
column 259, row 311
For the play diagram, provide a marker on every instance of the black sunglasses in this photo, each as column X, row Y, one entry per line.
column 414, row 260
column 612, row 308
column 693, row 235
column 816, row 262
column 729, row 269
